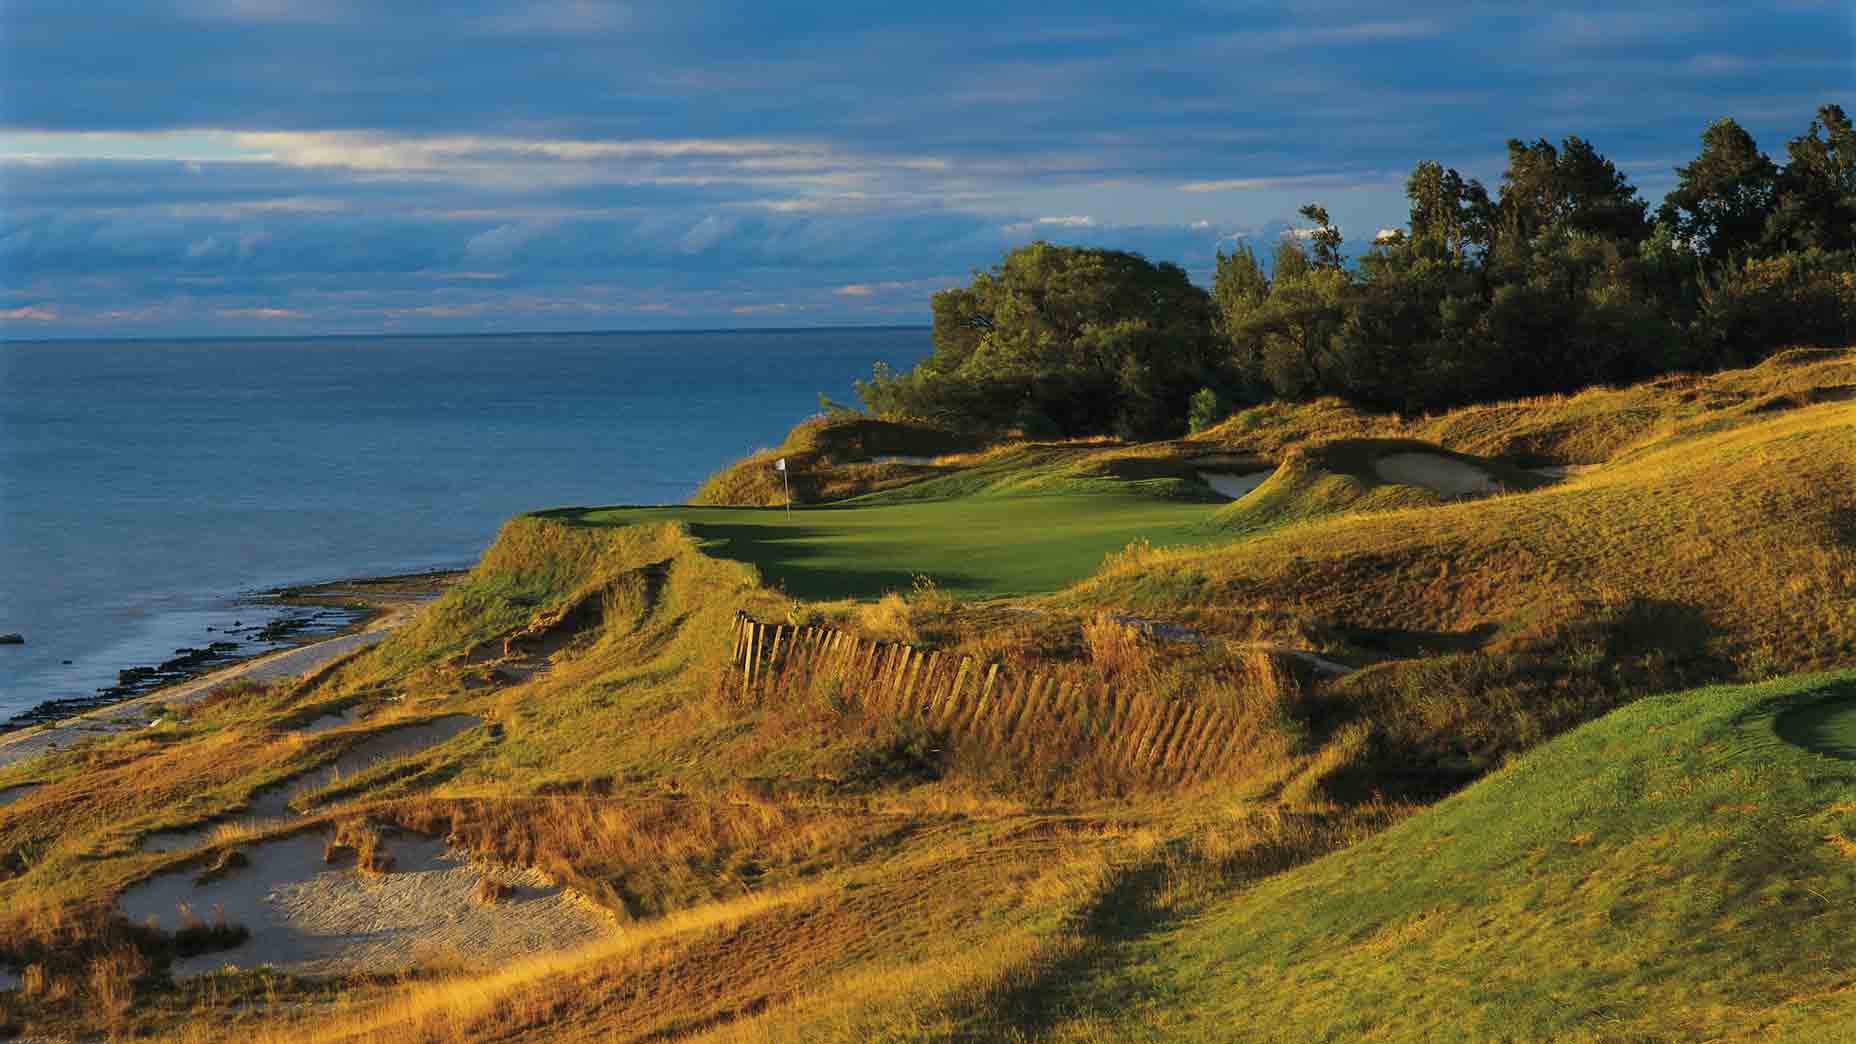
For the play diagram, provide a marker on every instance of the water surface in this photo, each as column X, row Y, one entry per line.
column 146, row 486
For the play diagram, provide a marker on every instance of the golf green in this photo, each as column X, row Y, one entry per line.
column 971, row 547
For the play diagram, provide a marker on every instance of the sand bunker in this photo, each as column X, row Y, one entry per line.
column 309, row 917
column 1443, row 475
column 329, row 722
column 273, row 803
column 904, row 459
column 1234, row 486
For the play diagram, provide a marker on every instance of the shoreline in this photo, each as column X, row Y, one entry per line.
column 378, row 605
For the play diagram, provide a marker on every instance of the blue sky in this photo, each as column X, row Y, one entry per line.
column 233, row 167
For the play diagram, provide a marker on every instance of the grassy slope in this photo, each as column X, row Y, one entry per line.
column 1675, row 870
column 1014, row 895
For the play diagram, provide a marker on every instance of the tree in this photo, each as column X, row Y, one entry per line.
column 1816, row 191
column 1723, row 199
column 1572, row 187
column 1087, row 340
column 1448, row 209
column 1239, row 288
column 1324, row 237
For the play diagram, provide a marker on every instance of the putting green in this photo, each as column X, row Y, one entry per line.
column 1826, row 726
column 971, row 547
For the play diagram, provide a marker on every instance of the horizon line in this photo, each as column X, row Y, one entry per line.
column 675, row 331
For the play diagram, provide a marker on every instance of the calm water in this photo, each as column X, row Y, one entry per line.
column 146, row 487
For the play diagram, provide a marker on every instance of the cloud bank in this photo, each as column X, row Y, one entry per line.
column 240, row 166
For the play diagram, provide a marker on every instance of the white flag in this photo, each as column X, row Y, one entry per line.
column 780, row 465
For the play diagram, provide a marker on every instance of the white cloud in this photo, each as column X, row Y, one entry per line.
column 855, row 290
column 31, row 313
column 1072, row 221
column 266, row 314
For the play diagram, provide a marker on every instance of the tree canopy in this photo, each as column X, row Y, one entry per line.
column 1560, row 281
column 1062, row 340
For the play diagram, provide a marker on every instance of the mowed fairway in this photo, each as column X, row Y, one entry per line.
column 979, row 547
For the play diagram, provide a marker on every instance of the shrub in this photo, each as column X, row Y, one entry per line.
column 1206, row 409
column 113, row 976
column 912, row 753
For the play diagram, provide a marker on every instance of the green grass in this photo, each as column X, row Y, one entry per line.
column 973, row 547
column 1675, row 870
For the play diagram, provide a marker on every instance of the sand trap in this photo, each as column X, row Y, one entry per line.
column 329, row 722
column 309, row 917
column 1439, row 474
column 1234, row 486
column 273, row 803
column 903, row 459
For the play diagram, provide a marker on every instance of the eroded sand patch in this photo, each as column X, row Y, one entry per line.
column 903, row 458
column 273, row 803
column 1233, row 485
column 329, row 722
column 1443, row 475
column 307, row 916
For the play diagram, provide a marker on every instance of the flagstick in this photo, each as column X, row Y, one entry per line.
column 788, row 482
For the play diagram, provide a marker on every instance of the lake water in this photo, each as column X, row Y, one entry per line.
column 146, row 488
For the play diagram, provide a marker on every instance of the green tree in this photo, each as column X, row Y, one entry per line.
column 1449, row 209
column 1089, row 340
column 1722, row 200
column 1816, row 190
column 1324, row 238
column 1572, row 187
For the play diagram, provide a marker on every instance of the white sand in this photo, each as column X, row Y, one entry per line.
column 1446, row 476
column 133, row 714
column 1234, row 486
column 307, row 916
column 273, row 803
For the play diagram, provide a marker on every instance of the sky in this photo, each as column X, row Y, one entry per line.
column 305, row 167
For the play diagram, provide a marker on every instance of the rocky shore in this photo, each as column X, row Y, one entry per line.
column 315, row 613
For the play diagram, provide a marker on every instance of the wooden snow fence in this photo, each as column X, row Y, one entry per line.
column 1155, row 740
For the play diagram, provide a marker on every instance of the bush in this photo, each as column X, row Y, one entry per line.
column 1206, row 409
column 913, row 753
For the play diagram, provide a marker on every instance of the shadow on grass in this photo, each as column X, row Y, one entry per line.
column 1083, row 983
column 1825, row 726
column 785, row 557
